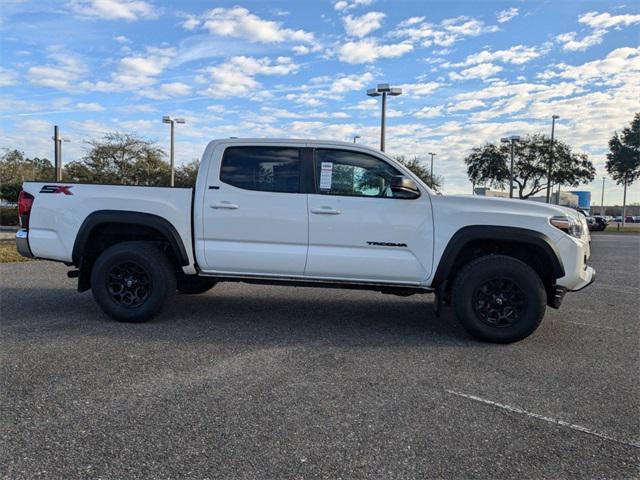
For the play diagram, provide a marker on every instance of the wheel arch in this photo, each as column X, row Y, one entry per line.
column 470, row 242
column 122, row 225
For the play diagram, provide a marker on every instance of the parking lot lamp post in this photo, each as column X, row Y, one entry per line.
column 551, row 152
column 432, row 155
column 172, row 121
column 602, row 199
column 383, row 89
column 355, row 137
column 512, row 139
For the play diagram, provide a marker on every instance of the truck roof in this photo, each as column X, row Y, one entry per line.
column 293, row 141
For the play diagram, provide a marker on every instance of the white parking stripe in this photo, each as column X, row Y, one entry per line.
column 596, row 326
column 555, row 421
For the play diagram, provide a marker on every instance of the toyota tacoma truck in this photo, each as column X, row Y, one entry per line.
column 309, row 213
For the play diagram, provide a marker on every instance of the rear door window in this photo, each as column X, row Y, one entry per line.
column 267, row 169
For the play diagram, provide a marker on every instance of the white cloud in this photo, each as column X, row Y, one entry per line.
column 307, row 99
column 191, row 22
column 363, row 25
column 600, row 24
column 506, row 15
column 7, row 78
column 167, row 90
column 343, row 5
column 122, row 39
column 301, row 49
column 518, row 55
column 369, row 104
column 482, row 70
column 571, row 43
column 61, row 75
column 349, row 83
column 411, row 21
column 419, row 89
column 605, row 20
column 89, row 107
column 236, row 77
column 465, row 105
column 136, row 71
column 618, row 66
column 128, row 10
column 445, row 34
column 429, row 112
column 238, row 22
column 369, row 50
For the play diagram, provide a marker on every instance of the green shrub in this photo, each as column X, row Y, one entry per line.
column 9, row 216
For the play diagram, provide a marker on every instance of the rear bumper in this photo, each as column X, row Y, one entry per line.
column 22, row 243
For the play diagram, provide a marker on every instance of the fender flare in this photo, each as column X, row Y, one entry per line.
column 156, row 222
column 489, row 232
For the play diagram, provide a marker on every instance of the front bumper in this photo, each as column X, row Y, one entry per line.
column 22, row 243
column 575, row 253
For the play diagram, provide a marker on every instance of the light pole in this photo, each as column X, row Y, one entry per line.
column 432, row 155
column 551, row 152
column 383, row 89
column 602, row 199
column 512, row 139
column 57, row 151
column 172, row 122
column 355, row 137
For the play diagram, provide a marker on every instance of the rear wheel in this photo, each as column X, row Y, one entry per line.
column 499, row 299
column 131, row 281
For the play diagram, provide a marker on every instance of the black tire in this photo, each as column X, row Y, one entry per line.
column 132, row 280
column 511, row 314
column 193, row 284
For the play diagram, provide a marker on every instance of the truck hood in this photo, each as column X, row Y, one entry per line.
column 498, row 205
column 456, row 211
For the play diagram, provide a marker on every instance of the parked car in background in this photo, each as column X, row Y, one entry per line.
column 630, row 219
column 597, row 223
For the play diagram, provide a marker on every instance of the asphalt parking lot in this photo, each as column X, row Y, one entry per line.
column 274, row 382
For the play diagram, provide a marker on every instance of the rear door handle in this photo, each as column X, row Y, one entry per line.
column 325, row 211
column 225, row 206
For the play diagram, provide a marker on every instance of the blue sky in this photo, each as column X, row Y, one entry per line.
column 471, row 71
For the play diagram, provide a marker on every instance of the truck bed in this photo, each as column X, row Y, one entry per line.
column 58, row 213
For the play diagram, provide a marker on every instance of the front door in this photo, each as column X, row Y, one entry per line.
column 359, row 229
column 255, row 219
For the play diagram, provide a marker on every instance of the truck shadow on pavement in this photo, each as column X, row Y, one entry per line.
column 254, row 315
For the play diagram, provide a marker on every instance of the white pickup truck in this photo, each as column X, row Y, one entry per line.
column 310, row 213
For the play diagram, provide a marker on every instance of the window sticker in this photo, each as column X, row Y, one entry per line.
column 326, row 172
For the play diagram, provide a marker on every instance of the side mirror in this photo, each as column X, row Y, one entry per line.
column 404, row 187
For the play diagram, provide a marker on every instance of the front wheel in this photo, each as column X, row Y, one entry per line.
column 131, row 281
column 499, row 299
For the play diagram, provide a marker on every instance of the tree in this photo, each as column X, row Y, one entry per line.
column 489, row 165
column 15, row 169
column 121, row 158
column 623, row 159
column 421, row 171
column 186, row 174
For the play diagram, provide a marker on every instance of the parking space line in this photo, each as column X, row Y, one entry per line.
column 619, row 288
column 596, row 326
column 555, row 421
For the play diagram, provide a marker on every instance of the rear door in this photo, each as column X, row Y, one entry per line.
column 359, row 229
column 255, row 219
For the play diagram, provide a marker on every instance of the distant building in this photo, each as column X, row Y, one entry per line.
column 584, row 199
column 487, row 192
column 567, row 199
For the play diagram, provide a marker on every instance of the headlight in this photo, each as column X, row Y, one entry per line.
column 568, row 225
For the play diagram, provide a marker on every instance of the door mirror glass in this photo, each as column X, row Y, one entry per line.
column 404, row 187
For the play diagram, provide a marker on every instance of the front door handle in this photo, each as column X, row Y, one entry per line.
column 325, row 211
column 225, row 205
